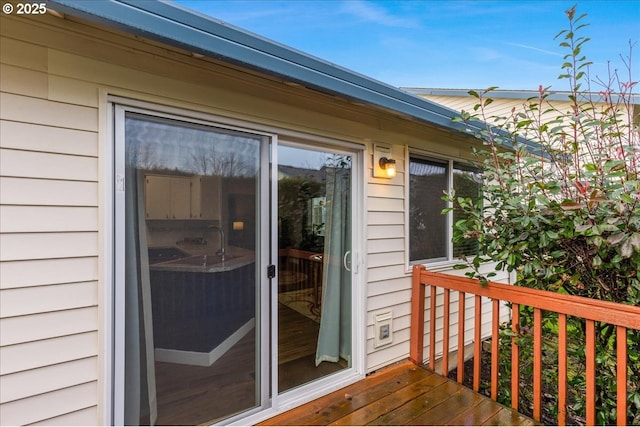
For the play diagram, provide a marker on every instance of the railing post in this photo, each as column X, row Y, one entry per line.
column 445, row 332
column 562, row 369
column 461, row 324
column 477, row 344
column 537, row 364
column 515, row 357
column 495, row 347
column 590, row 355
column 417, row 316
column 621, row 356
column 433, row 295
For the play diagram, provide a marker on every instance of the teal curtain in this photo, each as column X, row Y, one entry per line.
column 334, row 338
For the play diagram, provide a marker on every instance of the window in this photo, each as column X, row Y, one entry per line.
column 429, row 229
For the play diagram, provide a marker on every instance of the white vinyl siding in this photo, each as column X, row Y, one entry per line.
column 48, row 139
column 26, row 109
column 49, row 233
column 33, row 355
column 31, row 219
column 53, row 405
column 387, row 282
column 25, row 246
column 501, row 107
column 63, row 375
column 35, row 327
column 505, row 107
column 22, row 274
column 44, row 299
column 40, row 192
column 76, row 418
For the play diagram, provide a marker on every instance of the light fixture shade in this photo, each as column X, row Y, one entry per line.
column 238, row 225
column 389, row 166
column 384, row 166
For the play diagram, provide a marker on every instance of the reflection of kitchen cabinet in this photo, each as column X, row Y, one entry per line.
column 157, row 197
column 167, row 197
column 205, row 197
column 179, row 197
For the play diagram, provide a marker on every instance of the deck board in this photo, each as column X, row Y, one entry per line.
column 402, row 394
column 381, row 407
column 476, row 415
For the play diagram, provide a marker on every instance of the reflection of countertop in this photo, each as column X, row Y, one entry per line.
column 202, row 259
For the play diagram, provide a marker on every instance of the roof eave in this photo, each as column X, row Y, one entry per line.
column 178, row 27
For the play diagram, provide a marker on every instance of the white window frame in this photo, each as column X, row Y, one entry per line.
column 434, row 264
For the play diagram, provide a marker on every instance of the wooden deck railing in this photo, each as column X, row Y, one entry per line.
column 623, row 317
column 300, row 269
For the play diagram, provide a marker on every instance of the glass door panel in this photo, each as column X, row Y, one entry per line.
column 314, row 275
column 191, row 285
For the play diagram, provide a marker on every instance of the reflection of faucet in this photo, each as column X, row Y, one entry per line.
column 221, row 252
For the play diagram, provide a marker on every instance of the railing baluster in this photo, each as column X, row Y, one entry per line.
column 621, row 356
column 591, row 372
column 537, row 364
column 562, row 369
column 477, row 345
column 432, row 330
column 461, row 321
column 416, row 348
column 495, row 347
column 515, row 357
column 445, row 332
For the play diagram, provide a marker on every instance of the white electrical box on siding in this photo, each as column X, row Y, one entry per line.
column 382, row 329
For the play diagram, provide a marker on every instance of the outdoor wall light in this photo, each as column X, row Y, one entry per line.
column 389, row 165
column 384, row 166
column 238, row 225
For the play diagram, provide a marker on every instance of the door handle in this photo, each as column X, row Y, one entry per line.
column 344, row 261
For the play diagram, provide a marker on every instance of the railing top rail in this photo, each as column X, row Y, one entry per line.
column 296, row 253
column 586, row 308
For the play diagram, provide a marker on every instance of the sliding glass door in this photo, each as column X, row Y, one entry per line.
column 188, row 302
column 232, row 269
column 314, row 277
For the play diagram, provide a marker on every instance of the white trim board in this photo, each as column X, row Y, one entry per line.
column 204, row 359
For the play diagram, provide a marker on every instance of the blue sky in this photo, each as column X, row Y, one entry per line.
column 441, row 44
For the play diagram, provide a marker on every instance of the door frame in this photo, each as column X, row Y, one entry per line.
column 272, row 402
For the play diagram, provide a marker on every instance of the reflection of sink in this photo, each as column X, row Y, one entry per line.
column 202, row 260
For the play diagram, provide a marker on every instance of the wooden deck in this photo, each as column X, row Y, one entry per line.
column 402, row 394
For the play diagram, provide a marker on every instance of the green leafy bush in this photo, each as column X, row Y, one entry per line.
column 561, row 205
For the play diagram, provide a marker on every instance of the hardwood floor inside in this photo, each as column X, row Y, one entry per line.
column 191, row 395
column 297, row 334
column 297, row 342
